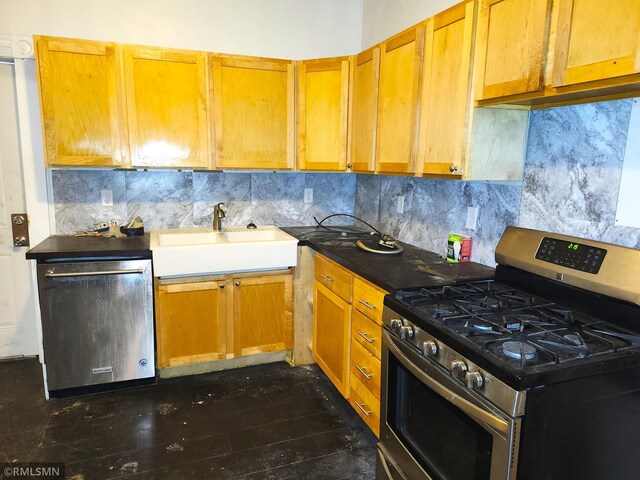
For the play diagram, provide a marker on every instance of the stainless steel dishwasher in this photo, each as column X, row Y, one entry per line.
column 97, row 322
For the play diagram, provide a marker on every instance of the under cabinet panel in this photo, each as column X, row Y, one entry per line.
column 331, row 336
column 191, row 322
column 262, row 314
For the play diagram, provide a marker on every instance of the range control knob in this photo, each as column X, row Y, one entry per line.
column 458, row 368
column 430, row 348
column 406, row 332
column 396, row 325
column 474, row 380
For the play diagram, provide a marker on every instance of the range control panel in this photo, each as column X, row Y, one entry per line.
column 571, row 255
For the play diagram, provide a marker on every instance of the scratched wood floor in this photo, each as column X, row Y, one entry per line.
column 264, row 422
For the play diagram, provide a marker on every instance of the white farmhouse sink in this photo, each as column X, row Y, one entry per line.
column 202, row 251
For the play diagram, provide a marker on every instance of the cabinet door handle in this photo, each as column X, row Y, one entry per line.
column 368, row 376
column 362, row 406
column 367, row 304
column 221, row 286
column 327, row 278
column 237, row 284
column 366, row 337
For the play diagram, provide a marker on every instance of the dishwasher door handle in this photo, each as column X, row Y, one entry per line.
column 51, row 274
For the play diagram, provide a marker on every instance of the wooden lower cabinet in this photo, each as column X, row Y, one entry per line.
column 347, row 334
column 331, row 336
column 206, row 318
column 262, row 314
column 191, row 322
column 366, row 404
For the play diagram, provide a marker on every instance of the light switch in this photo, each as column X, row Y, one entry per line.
column 308, row 195
column 472, row 217
column 401, row 204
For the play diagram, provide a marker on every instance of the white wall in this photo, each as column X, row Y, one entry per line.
column 294, row 29
column 383, row 18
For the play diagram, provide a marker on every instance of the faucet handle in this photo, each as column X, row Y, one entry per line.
column 217, row 210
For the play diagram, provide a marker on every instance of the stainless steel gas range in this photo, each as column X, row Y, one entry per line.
column 532, row 375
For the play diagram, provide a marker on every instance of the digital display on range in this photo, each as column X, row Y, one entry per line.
column 571, row 255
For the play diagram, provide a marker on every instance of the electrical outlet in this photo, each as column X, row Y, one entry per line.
column 107, row 198
column 308, row 195
column 401, row 204
column 472, row 217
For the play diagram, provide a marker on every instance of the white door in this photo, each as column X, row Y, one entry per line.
column 17, row 324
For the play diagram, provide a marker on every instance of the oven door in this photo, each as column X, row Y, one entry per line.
column 434, row 428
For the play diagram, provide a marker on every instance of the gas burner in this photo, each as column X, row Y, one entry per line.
column 573, row 338
column 443, row 310
column 516, row 350
column 491, row 303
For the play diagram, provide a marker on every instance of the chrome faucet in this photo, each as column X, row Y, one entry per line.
column 218, row 215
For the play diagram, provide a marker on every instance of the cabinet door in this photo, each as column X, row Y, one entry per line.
column 400, row 66
column 323, row 107
column 166, row 107
column 253, row 105
column 596, row 40
column 81, row 102
column 512, row 38
column 364, row 115
column 262, row 314
column 191, row 322
column 445, row 95
column 331, row 336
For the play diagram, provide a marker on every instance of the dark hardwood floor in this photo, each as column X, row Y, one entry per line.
column 264, row 422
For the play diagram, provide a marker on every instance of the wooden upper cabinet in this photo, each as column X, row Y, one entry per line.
column 364, row 110
column 400, row 68
column 81, row 102
column 511, row 46
column 596, row 40
column 191, row 322
column 253, row 112
column 262, row 314
column 446, row 90
column 166, row 107
column 323, row 110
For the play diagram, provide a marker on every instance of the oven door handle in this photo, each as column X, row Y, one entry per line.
column 467, row 407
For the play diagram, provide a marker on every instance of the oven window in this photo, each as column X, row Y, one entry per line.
column 447, row 443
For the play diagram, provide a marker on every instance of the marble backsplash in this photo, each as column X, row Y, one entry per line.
column 434, row 208
column 172, row 199
column 571, row 179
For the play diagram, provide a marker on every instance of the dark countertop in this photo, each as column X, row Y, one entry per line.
column 413, row 268
column 67, row 246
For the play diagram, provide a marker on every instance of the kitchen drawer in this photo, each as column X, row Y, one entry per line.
column 334, row 277
column 368, row 300
column 367, row 406
column 366, row 333
column 366, row 368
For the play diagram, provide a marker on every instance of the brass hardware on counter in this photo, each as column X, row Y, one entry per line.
column 20, row 229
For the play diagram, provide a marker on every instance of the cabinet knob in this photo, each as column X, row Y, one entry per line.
column 221, row 286
column 237, row 284
column 349, row 166
column 453, row 168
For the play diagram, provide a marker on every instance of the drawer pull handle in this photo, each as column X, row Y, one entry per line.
column 367, row 304
column 366, row 337
column 368, row 376
column 364, row 410
column 327, row 278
